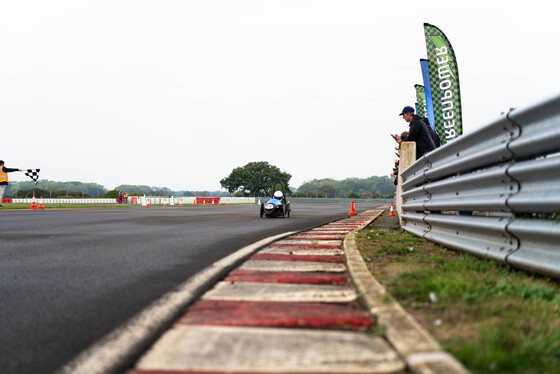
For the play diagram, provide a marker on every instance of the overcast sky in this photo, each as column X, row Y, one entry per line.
column 179, row 93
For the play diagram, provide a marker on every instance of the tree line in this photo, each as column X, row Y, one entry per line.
column 139, row 190
column 52, row 189
column 258, row 178
column 253, row 179
column 74, row 189
column 371, row 187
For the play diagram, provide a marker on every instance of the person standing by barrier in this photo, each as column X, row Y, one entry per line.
column 417, row 132
column 120, row 197
column 4, row 178
column 125, row 197
column 433, row 133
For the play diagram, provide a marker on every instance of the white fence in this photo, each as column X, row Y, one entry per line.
column 238, row 200
column 153, row 200
column 190, row 200
column 66, row 201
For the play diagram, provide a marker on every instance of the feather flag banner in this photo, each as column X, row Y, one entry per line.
column 421, row 100
column 444, row 84
column 428, row 92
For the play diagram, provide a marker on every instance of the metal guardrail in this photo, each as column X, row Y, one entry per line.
column 495, row 192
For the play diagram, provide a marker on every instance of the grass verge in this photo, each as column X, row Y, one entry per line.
column 493, row 319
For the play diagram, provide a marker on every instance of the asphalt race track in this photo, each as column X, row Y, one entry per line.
column 69, row 277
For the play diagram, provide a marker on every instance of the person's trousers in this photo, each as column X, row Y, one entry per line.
column 2, row 190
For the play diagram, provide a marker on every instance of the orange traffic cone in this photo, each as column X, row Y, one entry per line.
column 227, row 203
column 164, row 203
column 212, row 202
column 147, row 203
column 391, row 213
column 181, row 202
column 194, row 202
column 204, row 202
column 41, row 203
column 33, row 205
column 352, row 212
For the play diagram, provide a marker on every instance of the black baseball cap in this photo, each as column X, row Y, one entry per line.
column 407, row 109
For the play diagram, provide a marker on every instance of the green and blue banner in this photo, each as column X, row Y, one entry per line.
column 444, row 84
column 420, row 100
column 428, row 92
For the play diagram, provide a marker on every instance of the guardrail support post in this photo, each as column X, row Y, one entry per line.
column 408, row 157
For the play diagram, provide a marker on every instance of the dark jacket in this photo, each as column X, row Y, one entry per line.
column 7, row 170
column 435, row 137
column 418, row 132
column 433, row 133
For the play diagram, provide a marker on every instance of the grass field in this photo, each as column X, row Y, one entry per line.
column 493, row 319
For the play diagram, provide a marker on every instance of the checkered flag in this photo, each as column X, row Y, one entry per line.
column 33, row 174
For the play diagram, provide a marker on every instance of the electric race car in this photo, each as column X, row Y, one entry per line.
column 278, row 206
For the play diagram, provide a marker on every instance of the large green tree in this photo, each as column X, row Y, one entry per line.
column 255, row 178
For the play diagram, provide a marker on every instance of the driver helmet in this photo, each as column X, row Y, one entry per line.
column 278, row 195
